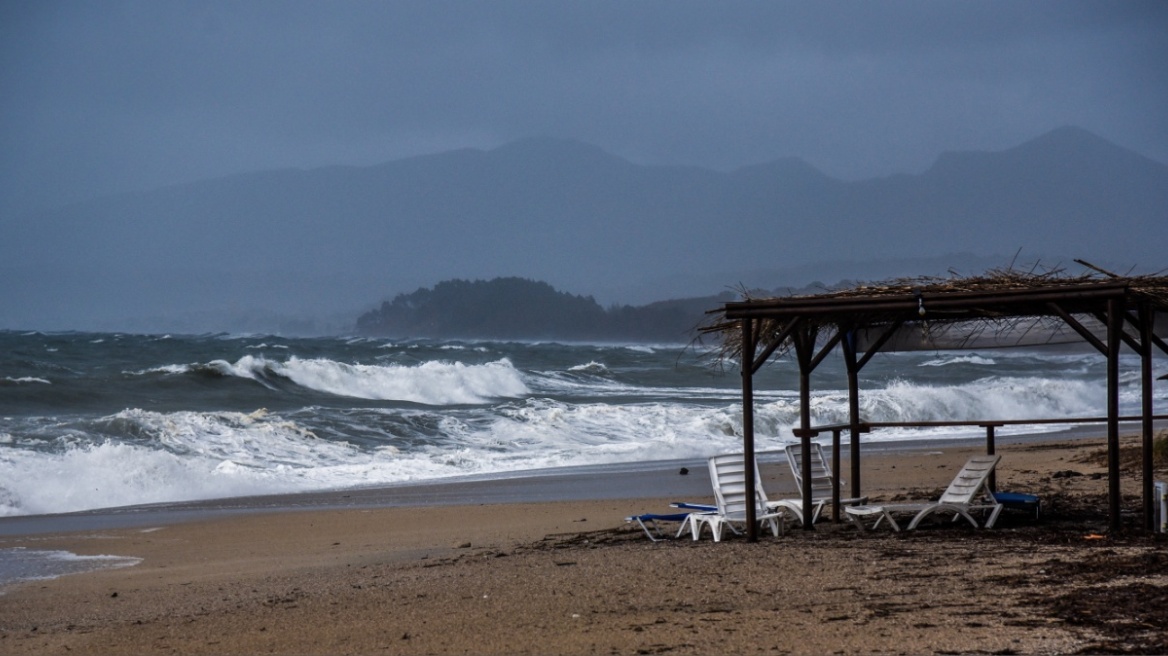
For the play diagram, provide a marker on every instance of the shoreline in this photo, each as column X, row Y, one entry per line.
column 578, row 483
column 531, row 576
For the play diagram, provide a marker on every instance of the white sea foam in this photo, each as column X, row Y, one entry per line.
column 20, row 564
column 193, row 456
column 593, row 367
column 987, row 398
column 212, row 455
column 170, row 369
column 430, row 383
column 197, row 455
column 574, row 405
column 958, row 359
column 27, row 379
column 249, row 366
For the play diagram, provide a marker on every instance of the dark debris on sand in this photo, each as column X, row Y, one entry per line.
column 1110, row 590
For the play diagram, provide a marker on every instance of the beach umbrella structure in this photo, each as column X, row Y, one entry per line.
column 1002, row 308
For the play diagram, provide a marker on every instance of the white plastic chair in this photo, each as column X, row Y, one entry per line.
column 961, row 497
column 822, row 480
column 728, row 476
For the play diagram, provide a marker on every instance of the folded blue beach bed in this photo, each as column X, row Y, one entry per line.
column 1018, row 501
column 648, row 521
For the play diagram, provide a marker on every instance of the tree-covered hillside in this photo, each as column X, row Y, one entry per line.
column 516, row 308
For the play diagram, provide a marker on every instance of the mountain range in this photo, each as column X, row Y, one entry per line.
column 248, row 250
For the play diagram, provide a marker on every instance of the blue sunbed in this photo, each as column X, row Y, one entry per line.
column 648, row 521
column 1018, row 501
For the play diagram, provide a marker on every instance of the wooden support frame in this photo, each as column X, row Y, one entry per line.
column 801, row 317
column 748, row 347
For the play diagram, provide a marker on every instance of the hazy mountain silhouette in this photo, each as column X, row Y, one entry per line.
column 345, row 238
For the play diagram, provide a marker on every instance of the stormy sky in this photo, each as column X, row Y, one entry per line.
column 109, row 96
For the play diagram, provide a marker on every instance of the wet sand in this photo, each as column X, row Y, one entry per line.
column 514, row 573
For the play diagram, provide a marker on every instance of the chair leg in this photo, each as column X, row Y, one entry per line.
column 778, row 526
column 716, row 528
column 891, row 521
column 695, row 526
column 993, row 516
column 818, row 510
column 645, row 528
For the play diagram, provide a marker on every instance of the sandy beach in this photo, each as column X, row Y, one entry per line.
column 572, row 577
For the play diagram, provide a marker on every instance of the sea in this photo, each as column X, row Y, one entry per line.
column 103, row 420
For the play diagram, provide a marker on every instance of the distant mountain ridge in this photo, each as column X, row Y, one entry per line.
column 570, row 214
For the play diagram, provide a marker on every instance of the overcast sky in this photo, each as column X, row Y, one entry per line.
column 103, row 96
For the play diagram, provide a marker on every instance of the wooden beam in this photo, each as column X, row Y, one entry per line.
column 783, row 336
column 804, row 345
column 748, row 346
column 1127, row 339
column 827, row 348
column 1137, row 322
column 991, row 448
column 879, row 343
column 1078, row 327
column 853, row 369
column 1114, row 328
column 835, row 482
column 1146, row 319
column 910, row 303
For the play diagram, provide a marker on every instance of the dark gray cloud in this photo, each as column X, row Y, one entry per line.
column 111, row 96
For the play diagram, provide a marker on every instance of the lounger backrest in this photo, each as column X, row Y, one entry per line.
column 821, row 478
column 728, row 476
column 970, row 482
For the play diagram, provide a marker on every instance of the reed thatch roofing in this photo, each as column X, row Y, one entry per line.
column 957, row 312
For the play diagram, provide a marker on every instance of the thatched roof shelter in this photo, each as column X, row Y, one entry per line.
column 998, row 309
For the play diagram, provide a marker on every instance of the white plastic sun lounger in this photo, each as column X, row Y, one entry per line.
column 649, row 523
column 822, row 480
column 728, row 476
column 968, row 492
column 790, row 506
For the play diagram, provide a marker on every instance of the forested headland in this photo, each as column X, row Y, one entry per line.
column 517, row 308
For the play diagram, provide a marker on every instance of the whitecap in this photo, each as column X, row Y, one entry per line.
column 27, row 379
column 593, row 367
column 168, row 369
column 958, row 359
column 430, row 383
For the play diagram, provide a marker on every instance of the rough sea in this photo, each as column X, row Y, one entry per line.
column 90, row 420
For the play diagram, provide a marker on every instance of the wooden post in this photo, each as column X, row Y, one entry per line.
column 1114, row 327
column 990, row 449
column 804, row 346
column 849, row 346
column 1147, row 316
column 835, row 467
column 748, row 347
